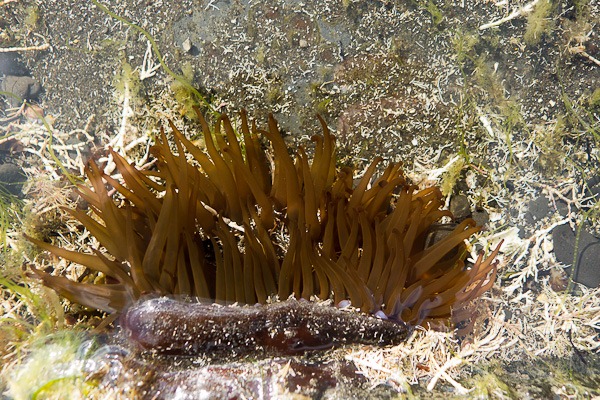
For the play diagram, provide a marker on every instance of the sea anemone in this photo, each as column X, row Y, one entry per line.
column 235, row 224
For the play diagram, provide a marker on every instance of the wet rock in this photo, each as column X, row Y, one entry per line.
column 11, row 65
column 587, row 250
column 592, row 187
column 21, row 87
column 12, row 179
column 537, row 210
column 528, row 220
column 481, row 216
column 460, row 207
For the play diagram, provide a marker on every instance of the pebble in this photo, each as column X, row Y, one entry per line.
column 187, row 45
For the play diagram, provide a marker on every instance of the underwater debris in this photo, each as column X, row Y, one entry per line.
column 211, row 228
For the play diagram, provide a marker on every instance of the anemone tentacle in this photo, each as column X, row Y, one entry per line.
column 210, row 228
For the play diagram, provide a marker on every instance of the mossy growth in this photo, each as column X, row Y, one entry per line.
column 274, row 94
column 549, row 140
column 594, row 101
column 580, row 116
column 53, row 368
column 582, row 8
column 321, row 106
column 32, row 326
column 259, row 54
column 127, row 85
column 451, row 176
column 539, row 23
column 489, row 384
column 36, row 310
column 591, row 218
column 30, row 311
column 436, row 14
column 10, row 206
column 184, row 94
column 347, row 3
column 489, row 81
column 464, row 43
column 32, row 18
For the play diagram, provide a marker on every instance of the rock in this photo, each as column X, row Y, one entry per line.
column 12, row 179
column 11, row 65
column 460, row 207
column 21, row 87
column 588, row 253
column 481, row 216
column 187, row 45
column 537, row 209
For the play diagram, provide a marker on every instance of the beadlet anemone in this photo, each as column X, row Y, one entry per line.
column 232, row 224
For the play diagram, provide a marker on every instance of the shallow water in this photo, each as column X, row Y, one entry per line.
column 420, row 82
